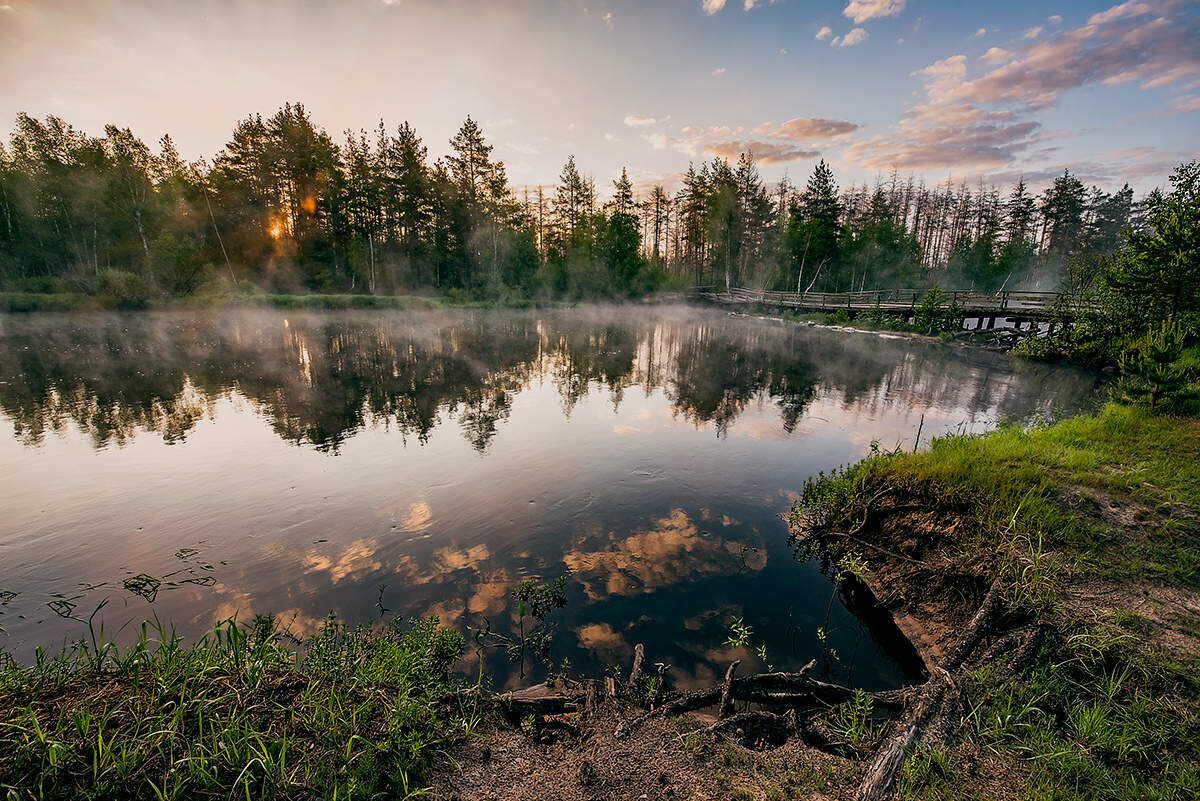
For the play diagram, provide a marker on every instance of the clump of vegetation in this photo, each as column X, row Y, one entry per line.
column 937, row 313
column 351, row 713
column 1154, row 369
column 535, row 600
column 852, row 724
column 741, row 635
column 1101, row 715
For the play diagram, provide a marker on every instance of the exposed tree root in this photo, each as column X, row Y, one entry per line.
column 937, row 698
column 757, row 729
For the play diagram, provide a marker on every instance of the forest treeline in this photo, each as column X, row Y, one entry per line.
column 287, row 208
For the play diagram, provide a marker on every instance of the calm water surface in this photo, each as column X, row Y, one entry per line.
column 370, row 465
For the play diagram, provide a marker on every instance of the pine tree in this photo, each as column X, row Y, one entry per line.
column 814, row 229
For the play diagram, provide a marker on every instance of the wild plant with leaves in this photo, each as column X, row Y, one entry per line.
column 534, row 600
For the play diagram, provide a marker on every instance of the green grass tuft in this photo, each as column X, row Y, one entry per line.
column 353, row 713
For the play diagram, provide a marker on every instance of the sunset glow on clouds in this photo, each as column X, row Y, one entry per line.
column 934, row 89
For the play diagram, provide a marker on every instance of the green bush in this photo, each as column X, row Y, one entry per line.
column 123, row 290
column 933, row 314
column 1155, row 372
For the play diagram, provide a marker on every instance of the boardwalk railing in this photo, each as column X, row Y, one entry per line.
column 1032, row 303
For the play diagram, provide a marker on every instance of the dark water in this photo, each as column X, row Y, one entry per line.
column 422, row 463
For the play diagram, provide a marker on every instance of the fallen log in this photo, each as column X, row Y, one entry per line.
column 816, row 734
column 763, row 684
column 891, row 700
column 930, row 706
column 539, row 700
column 546, row 705
column 589, row 703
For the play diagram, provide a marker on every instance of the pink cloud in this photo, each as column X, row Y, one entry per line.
column 1187, row 103
column 1130, row 9
column 1157, row 52
column 764, row 152
column 985, row 124
column 806, row 128
column 996, row 55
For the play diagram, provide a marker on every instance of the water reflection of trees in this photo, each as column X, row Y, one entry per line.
column 319, row 379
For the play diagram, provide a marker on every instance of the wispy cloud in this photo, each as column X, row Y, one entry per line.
column 940, row 136
column 722, row 141
column 978, row 33
column 1130, row 9
column 1128, row 47
column 856, row 36
column 712, row 6
column 719, row 71
column 1033, row 32
column 805, row 128
column 824, row 33
column 764, row 152
column 862, row 10
column 1186, row 103
column 637, row 121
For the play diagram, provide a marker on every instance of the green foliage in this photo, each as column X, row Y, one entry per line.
column 936, row 314
column 1151, row 283
column 928, row 774
column 286, row 207
column 123, row 290
column 1099, row 716
column 874, row 316
column 1154, row 371
column 851, row 722
column 534, row 600
column 357, row 713
column 1156, row 278
column 1007, row 481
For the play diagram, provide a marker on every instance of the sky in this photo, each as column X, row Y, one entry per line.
column 936, row 89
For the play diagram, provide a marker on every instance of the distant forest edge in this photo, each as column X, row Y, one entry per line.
column 284, row 208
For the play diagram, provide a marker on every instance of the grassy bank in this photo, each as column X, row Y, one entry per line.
column 238, row 714
column 1093, row 527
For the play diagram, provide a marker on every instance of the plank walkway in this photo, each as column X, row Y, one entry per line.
column 1018, row 305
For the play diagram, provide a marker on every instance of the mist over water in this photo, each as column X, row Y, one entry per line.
column 411, row 463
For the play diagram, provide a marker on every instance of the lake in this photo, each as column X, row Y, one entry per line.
column 201, row 465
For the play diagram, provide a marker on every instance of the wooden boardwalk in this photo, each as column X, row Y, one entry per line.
column 1017, row 306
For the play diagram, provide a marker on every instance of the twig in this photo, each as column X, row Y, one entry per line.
column 726, row 706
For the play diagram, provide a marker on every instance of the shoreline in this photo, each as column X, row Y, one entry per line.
column 1085, row 530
